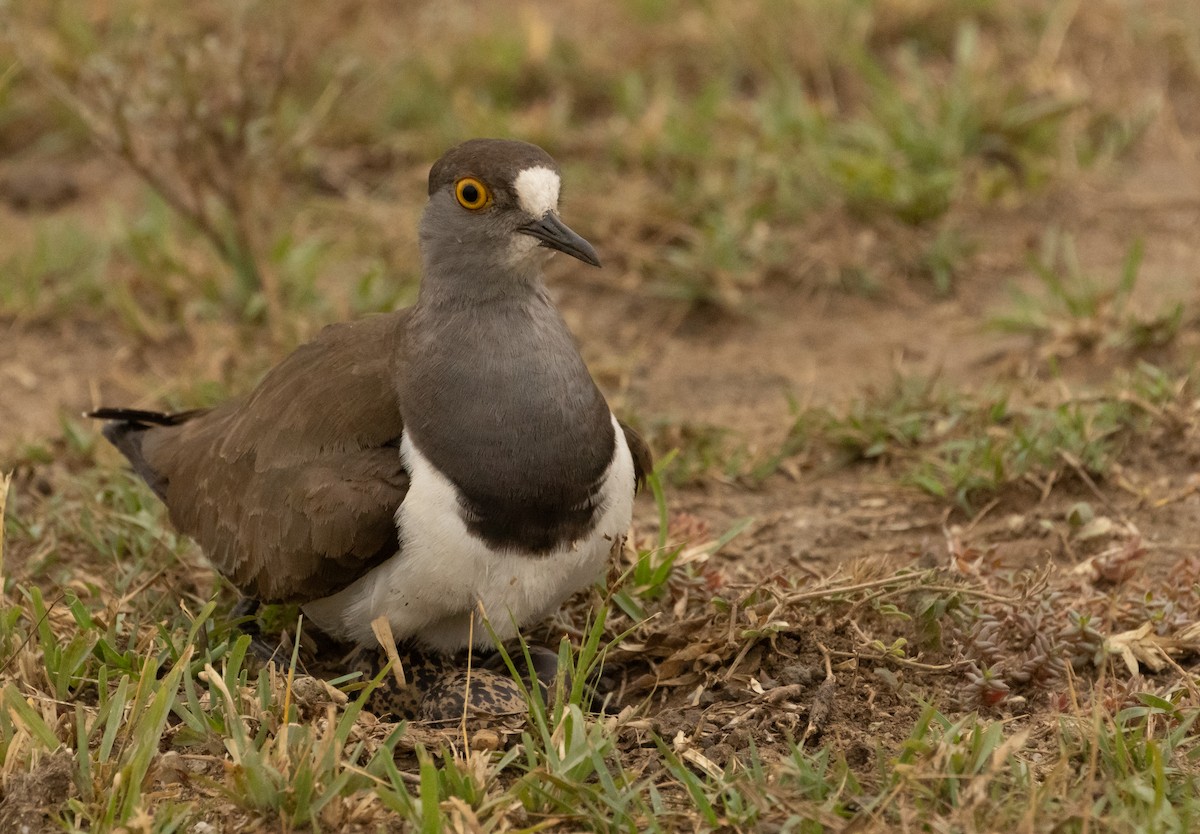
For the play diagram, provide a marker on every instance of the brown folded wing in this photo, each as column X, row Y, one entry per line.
column 292, row 491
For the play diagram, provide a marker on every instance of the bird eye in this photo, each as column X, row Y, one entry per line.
column 472, row 194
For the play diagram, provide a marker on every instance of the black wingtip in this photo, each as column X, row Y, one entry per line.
column 134, row 415
column 126, row 429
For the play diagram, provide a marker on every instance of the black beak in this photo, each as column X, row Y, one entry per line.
column 555, row 234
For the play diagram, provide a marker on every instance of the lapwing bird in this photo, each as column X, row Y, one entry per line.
column 434, row 465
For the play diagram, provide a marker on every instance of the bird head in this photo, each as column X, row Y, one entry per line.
column 493, row 207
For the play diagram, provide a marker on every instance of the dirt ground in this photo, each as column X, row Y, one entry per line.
column 797, row 339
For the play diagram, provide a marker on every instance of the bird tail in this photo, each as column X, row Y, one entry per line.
column 126, row 430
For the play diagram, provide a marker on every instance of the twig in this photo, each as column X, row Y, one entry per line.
column 904, row 661
column 782, row 693
column 829, row 591
column 979, row 516
column 1186, row 492
column 1073, row 462
column 462, row 724
column 822, row 702
column 965, row 590
column 5, row 480
column 741, row 655
column 1185, row 675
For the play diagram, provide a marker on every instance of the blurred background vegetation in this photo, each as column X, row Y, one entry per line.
column 709, row 147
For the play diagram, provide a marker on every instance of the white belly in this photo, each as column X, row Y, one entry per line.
column 444, row 576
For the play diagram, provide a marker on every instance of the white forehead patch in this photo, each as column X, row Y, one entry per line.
column 537, row 190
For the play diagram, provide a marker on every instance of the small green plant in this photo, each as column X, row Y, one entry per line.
column 950, row 768
column 645, row 582
column 698, row 451
column 1076, row 313
column 62, row 270
column 649, row 574
column 944, row 257
column 906, row 155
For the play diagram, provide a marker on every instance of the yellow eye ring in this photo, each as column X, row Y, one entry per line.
column 472, row 194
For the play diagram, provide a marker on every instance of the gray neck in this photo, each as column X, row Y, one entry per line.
column 465, row 265
column 458, row 285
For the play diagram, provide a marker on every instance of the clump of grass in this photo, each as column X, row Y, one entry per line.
column 968, row 447
column 907, row 154
column 912, row 133
column 962, row 446
column 651, row 572
column 944, row 256
column 1077, row 313
column 698, row 452
column 61, row 271
column 999, row 446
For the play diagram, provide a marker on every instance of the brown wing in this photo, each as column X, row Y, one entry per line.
column 292, row 491
column 643, row 460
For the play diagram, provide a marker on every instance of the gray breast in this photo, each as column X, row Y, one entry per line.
column 503, row 406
